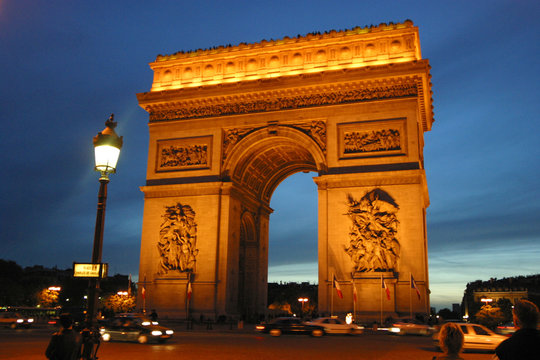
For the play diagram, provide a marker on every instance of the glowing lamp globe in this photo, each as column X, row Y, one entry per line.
column 107, row 145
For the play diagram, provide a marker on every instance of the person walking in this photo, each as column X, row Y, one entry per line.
column 450, row 341
column 525, row 342
column 66, row 343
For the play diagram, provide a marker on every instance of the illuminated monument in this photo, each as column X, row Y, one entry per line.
column 228, row 124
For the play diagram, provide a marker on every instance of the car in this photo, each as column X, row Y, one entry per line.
column 334, row 325
column 290, row 325
column 476, row 337
column 411, row 327
column 134, row 328
column 506, row 329
column 14, row 320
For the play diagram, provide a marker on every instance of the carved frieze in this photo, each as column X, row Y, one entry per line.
column 373, row 243
column 385, row 137
column 177, row 245
column 183, row 154
column 188, row 110
column 369, row 141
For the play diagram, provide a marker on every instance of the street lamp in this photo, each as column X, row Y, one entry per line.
column 107, row 145
column 303, row 300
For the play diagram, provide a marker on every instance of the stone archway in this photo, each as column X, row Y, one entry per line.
column 350, row 105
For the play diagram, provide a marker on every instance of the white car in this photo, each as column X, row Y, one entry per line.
column 411, row 327
column 476, row 337
column 334, row 325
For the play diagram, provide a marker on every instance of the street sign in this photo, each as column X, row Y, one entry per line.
column 90, row 270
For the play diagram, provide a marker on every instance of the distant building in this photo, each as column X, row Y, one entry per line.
column 502, row 293
column 493, row 290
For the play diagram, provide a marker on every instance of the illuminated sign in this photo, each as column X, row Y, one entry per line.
column 90, row 270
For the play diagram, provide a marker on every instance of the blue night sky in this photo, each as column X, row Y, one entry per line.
column 66, row 65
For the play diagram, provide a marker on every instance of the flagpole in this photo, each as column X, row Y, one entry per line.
column 144, row 295
column 354, row 299
column 332, row 298
column 381, row 297
column 410, row 293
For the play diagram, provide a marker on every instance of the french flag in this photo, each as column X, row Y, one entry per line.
column 338, row 289
column 189, row 290
column 413, row 286
column 386, row 289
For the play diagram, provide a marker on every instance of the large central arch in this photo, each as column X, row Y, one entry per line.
column 227, row 125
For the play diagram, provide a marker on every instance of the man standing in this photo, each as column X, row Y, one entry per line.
column 66, row 343
column 525, row 342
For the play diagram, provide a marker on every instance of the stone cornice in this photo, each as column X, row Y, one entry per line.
column 314, row 53
column 330, row 88
column 332, row 34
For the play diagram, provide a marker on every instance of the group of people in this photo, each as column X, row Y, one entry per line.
column 524, row 344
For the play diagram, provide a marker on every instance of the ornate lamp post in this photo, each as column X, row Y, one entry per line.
column 107, row 145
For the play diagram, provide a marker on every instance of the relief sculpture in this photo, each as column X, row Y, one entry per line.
column 286, row 103
column 369, row 141
column 316, row 130
column 373, row 242
column 177, row 240
column 231, row 137
column 182, row 156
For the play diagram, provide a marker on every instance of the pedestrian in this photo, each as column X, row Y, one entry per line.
column 450, row 341
column 525, row 342
column 154, row 315
column 66, row 343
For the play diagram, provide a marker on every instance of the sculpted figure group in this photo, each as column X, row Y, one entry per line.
column 177, row 239
column 373, row 244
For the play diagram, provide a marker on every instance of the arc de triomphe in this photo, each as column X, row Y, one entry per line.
column 228, row 124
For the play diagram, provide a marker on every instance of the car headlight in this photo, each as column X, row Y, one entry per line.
column 395, row 329
column 155, row 323
column 30, row 320
column 20, row 320
column 169, row 332
column 156, row 333
column 145, row 323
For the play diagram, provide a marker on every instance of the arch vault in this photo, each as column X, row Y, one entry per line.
column 227, row 125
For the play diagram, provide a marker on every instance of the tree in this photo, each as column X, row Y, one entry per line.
column 119, row 303
column 489, row 316
column 47, row 298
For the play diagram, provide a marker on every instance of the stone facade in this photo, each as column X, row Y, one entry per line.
column 227, row 125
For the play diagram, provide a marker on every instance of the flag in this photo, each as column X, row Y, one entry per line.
column 386, row 289
column 143, row 292
column 189, row 290
column 129, row 285
column 413, row 286
column 354, row 292
column 338, row 289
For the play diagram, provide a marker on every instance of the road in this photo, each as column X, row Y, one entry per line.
column 30, row 344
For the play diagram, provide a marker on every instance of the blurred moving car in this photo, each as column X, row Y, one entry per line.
column 334, row 325
column 14, row 320
column 476, row 337
column 412, row 327
column 290, row 325
column 134, row 328
column 506, row 329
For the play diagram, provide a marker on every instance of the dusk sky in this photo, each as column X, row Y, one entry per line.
column 65, row 66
